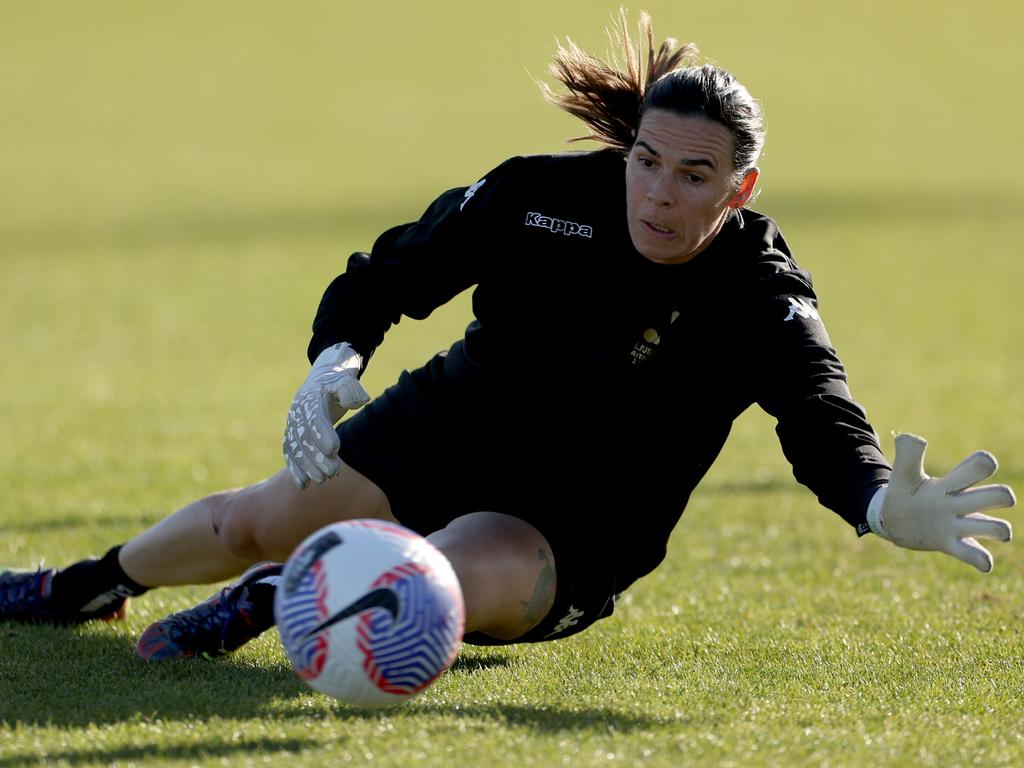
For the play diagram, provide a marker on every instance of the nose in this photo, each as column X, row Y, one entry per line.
column 661, row 191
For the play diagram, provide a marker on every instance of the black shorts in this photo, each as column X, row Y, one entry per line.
column 438, row 450
column 579, row 602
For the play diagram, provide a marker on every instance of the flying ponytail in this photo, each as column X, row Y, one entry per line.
column 609, row 97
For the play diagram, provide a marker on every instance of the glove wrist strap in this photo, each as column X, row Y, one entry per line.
column 337, row 358
column 874, row 514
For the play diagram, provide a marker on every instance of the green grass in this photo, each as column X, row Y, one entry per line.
column 180, row 184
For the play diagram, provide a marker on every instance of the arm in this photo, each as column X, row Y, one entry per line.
column 824, row 433
column 412, row 270
column 833, row 450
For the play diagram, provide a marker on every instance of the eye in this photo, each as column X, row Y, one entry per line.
column 693, row 178
column 645, row 162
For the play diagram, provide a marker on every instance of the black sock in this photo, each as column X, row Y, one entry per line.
column 91, row 585
column 261, row 596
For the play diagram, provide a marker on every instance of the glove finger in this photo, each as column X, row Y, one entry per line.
column 972, row 553
column 984, row 526
column 908, row 463
column 329, row 465
column 292, row 446
column 321, row 428
column 980, row 499
column 975, row 468
column 300, row 477
column 303, row 457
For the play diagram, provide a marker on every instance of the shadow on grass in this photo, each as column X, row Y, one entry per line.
column 73, row 678
column 476, row 663
column 142, row 754
column 545, row 718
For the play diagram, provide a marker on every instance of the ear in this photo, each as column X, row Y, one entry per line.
column 742, row 195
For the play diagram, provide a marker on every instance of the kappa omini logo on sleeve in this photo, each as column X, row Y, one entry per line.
column 801, row 308
column 470, row 192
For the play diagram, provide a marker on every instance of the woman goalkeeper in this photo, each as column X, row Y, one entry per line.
column 628, row 307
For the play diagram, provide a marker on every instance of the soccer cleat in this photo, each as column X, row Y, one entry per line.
column 217, row 626
column 25, row 596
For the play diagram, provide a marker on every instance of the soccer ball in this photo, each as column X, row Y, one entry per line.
column 369, row 612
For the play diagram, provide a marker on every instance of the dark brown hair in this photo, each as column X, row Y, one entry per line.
column 611, row 98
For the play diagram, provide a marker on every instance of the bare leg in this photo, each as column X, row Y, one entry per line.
column 182, row 549
column 506, row 570
column 504, row 564
column 220, row 535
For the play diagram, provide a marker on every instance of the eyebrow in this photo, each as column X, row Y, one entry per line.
column 685, row 161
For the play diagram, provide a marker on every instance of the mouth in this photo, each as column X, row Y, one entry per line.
column 658, row 230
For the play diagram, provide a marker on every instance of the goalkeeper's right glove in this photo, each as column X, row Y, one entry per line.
column 940, row 513
column 310, row 442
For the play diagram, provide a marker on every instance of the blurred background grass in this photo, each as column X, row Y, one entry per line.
column 178, row 184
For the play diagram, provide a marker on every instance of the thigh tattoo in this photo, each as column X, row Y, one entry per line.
column 537, row 607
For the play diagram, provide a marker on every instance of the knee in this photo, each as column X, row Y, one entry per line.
column 506, row 570
column 238, row 524
column 267, row 520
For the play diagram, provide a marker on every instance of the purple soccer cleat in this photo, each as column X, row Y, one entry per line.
column 217, row 626
column 25, row 596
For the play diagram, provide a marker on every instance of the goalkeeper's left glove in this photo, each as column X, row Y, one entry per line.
column 940, row 513
column 331, row 389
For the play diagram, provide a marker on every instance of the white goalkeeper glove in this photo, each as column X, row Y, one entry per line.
column 940, row 513
column 310, row 442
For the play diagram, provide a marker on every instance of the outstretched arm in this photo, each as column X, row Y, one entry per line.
column 833, row 450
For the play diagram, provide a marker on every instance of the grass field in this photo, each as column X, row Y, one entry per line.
column 178, row 186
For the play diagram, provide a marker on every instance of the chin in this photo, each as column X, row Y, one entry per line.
column 654, row 251
column 665, row 256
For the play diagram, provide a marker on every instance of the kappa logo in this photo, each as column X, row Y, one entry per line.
column 801, row 308
column 558, row 226
column 571, row 619
column 470, row 191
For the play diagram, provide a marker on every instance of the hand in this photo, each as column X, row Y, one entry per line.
column 942, row 514
column 310, row 442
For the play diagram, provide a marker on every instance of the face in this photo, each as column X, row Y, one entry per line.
column 680, row 185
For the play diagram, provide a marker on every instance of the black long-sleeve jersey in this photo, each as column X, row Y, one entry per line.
column 592, row 356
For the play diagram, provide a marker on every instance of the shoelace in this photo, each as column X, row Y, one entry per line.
column 211, row 619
